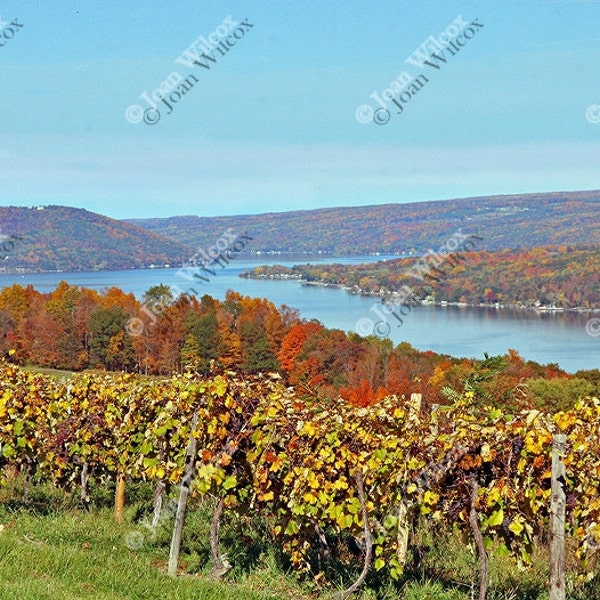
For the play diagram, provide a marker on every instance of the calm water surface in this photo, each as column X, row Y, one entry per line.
column 459, row 331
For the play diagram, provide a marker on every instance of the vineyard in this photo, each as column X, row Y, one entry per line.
column 324, row 474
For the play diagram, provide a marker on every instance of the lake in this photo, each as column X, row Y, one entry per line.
column 559, row 338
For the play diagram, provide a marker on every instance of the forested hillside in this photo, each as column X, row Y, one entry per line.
column 518, row 221
column 59, row 238
column 562, row 277
column 77, row 328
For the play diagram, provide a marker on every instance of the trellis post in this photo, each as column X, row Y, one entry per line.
column 557, row 519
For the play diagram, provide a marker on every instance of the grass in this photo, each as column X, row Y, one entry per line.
column 56, row 373
column 49, row 549
column 77, row 555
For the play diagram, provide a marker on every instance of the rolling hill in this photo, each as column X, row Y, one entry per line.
column 59, row 238
column 517, row 221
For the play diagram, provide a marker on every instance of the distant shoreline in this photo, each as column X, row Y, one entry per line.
column 441, row 303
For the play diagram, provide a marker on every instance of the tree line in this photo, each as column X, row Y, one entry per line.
column 76, row 328
column 559, row 276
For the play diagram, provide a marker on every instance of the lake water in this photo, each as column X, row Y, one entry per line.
column 559, row 338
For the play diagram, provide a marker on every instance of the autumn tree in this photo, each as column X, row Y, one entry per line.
column 203, row 342
column 110, row 344
column 71, row 307
column 293, row 341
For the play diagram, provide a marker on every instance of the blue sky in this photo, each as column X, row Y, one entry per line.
column 272, row 125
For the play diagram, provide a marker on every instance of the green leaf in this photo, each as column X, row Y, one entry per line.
column 230, row 482
column 379, row 564
column 292, row 528
column 495, row 414
column 354, row 506
column 390, row 521
column 8, row 451
column 146, row 447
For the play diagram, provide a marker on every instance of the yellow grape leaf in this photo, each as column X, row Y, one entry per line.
column 354, row 506
column 292, row 528
column 340, row 484
column 399, row 413
column 430, row 498
column 532, row 445
column 219, row 385
column 310, row 498
column 564, row 420
column 313, row 482
column 277, row 464
column 496, row 518
column 495, row 414
column 414, row 463
column 493, row 496
column 516, row 527
column 308, row 429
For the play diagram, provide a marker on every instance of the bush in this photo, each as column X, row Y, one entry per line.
column 558, row 394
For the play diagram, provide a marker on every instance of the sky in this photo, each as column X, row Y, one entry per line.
column 283, row 118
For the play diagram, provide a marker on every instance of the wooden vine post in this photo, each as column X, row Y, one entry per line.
column 414, row 407
column 85, row 494
column 403, row 533
column 188, row 478
column 479, row 543
column 435, row 409
column 119, row 496
column 557, row 520
column 220, row 565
